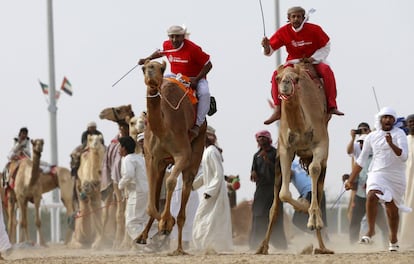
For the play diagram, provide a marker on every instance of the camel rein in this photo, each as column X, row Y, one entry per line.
column 79, row 214
column 168, row 102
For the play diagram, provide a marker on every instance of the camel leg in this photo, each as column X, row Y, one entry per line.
column 153, row 179
column 67, row 200
column 315, row 217
column 120, row 217
column 97, row 219
column 286, row 158
column 185, row 194
column 109, row 223
column 38, row 222
column 11, row 211
column 273, row 213
column 24, row 233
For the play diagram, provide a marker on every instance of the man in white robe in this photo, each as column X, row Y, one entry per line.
column 386, row 175
column 212, row 230
column 407, row 228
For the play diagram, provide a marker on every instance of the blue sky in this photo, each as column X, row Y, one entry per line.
column 97, row 41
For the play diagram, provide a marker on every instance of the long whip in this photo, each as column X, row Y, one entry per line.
column 376, row 99
column 123, row 76
column 263, row 21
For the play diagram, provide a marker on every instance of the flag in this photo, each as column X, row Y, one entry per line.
column 66, row 86
column 45, row 87
column 57, row 94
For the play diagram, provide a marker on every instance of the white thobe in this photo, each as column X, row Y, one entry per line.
column 212, row 228
column 407, row 220
column 386, row 171
column 134, row 182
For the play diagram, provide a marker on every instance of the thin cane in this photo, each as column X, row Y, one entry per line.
column 338, row 199
column 125, row 75
column 263, row 22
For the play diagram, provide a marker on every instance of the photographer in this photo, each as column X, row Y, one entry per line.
column 353, row 148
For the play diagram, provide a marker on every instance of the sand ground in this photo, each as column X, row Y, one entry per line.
column 344, row 253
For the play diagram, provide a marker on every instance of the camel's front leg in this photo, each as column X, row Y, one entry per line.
column 286, row 158
column 24, row 232
column 97, row 219
column 315, row 216
column 38, row 223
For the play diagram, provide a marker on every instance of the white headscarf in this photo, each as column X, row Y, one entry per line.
column 384, row 111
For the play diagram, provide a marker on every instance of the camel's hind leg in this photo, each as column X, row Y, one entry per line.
column 185, row 194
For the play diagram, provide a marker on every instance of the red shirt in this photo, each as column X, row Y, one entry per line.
column 300, row 44
column 187, row 60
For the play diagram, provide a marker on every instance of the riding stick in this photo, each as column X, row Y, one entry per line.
column 125, row 75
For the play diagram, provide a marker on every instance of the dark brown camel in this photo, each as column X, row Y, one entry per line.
column 170, row 115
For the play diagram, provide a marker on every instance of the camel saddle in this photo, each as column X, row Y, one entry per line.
column 184, row 83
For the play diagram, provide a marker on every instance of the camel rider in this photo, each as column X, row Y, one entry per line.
column 302, row 40
column 189, row 59
column 21, row 149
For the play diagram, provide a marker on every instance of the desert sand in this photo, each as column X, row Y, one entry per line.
column 344, row 253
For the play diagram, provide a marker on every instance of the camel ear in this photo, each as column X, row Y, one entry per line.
column 164, row 66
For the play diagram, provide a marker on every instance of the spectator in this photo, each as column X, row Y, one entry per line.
column 263, row 174
column 386, row 177
column 134, row 184
column 407, row 230
column 212, row 231
column 359, row 201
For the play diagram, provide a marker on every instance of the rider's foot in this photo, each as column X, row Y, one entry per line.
column 335, row 111
column 275, row 116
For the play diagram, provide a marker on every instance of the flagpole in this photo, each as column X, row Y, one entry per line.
column 53, row 115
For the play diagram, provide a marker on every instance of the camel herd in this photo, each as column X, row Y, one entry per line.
column 96, row 205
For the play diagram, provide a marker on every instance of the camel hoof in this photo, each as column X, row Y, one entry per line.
column 323, row 251
column 178, row 252
column 262, row 250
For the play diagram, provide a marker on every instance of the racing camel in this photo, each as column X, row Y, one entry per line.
column 170, row 116
column 303, row 132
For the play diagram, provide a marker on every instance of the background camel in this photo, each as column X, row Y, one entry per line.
column 88, row 225
column 303, row 132
column 31, row 183
column 114, row 227
column 170, row 115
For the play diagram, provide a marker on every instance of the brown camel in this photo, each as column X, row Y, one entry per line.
column 88, row 225
column 170, row 116
column 31, row 183
column 114, row 227
column 303, row 132
column 116, row 114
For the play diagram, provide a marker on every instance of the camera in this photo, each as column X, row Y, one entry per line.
column 357, row 131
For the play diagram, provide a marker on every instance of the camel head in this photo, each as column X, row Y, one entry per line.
column 287, row 80
column 153, row 73
column 94, row 141
column 116, row 114
column 137, row 124
column 37, row 145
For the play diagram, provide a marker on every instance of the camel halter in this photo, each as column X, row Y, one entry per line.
column 287, row 97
